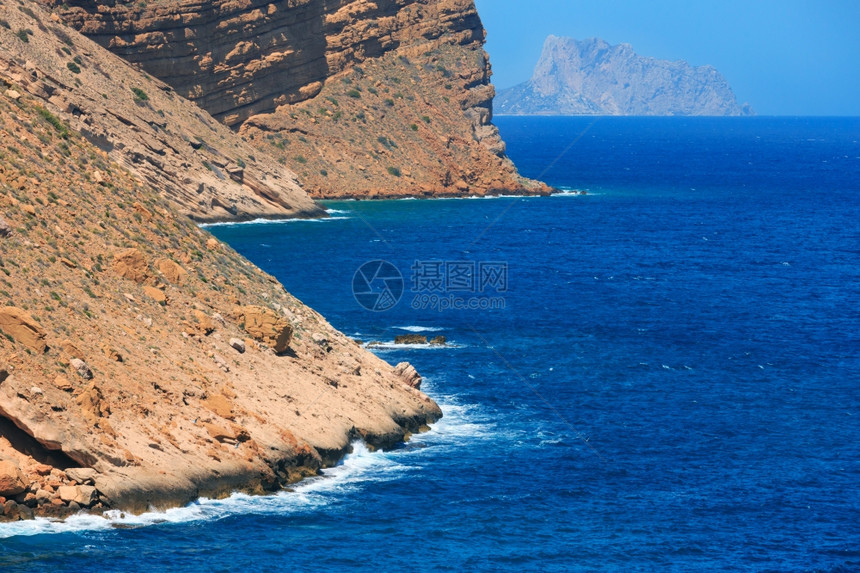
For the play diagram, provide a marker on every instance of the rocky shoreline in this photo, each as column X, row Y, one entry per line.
column 138, row 346
column 47, row 491
column 144, row 364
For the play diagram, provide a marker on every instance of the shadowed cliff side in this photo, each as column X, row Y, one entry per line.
column 271, row 70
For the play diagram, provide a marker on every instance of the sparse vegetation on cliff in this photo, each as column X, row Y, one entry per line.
column 385, row 64
column 138, row 352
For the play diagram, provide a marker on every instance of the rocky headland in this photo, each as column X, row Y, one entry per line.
column 361, row 99
column 142, row 362
column 592, row 77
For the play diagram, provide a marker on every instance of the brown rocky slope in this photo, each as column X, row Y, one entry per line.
column 361, row 98
column 142, row 362
column 200, row 165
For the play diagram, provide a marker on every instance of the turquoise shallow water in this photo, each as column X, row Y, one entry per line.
column 666, row 375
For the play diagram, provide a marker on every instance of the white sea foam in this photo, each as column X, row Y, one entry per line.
column 462, row 423
column 566, row 191
column 420, row 328
column 360, row 466
column 272, row 221
column 385, row 346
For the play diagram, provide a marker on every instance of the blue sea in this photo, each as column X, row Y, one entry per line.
column 662, row 374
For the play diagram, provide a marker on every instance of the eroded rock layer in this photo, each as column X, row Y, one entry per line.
column 276, row 66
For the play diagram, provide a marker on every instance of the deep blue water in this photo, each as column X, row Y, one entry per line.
column 673, row 382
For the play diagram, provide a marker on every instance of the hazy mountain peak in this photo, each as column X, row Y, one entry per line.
column 593, row 77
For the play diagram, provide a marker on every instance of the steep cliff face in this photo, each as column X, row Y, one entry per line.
column 592, row 77
column 142, row 362
column 280, row 63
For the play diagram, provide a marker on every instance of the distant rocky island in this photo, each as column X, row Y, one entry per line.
column 592, row 77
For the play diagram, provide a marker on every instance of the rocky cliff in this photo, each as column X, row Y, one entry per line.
column 361, row 98
column 142, row 362
column 200, row 165
column 591, row 77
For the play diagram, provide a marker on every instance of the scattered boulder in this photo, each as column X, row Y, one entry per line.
column 408, row 375
column 410, row 339
column 219, row 360
column 236, row 173
column 322, row 341
column 70, row 350
column 5, row 229
column 82, row 368
column 220, row 405
column 42, row 469
column 131, row 264
column 171, row 271
column 14, row 511
column 204, row 323
column 238, row 344
column 93, row 406
column 83, row 495
column 112, row 353
column 21, row 326
column 67, row 492
column 155, row 294
column 12, row 480
column 84, row 476
column 265, row 325
column 142, row 211
column 63, row 383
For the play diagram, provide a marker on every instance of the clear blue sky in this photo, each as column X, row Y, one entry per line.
column 784, row 57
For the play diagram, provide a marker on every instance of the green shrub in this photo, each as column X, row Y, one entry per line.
column 55, row 122
column 139, row 94
column 394, row 171
column 413, row 127
column 73, row 67
column 23, row 35
column 354, row 93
